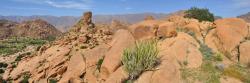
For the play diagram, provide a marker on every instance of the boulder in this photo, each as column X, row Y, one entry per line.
column 121, row 40
column 87, row 18
column 76, row 67
column 166, row 30
column 145, row 29
column 212, row 41
column 245, row 53
column 119, row 76
column 145, row 77
column 188, row 49
column 231, row 31
column 195, row 27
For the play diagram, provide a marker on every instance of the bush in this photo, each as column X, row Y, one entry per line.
column 201, row 14
column 25, row 79
column 52, row 81
column 99, row 63
column 141, row 57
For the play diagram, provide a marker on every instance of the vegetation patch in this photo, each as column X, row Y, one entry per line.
column 201, row 14
column 207, row 73
column 99, row 63
column 206, row 51
column 239, row 72
column 141, row 57
column 14, row 45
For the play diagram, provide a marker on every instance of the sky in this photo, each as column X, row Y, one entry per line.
column 224, row 8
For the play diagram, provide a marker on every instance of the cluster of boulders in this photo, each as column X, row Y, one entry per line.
column 92, row 54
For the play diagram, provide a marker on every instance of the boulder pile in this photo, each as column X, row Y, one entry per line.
column 92, row 54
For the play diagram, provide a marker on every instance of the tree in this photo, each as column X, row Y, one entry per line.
column 201, row 14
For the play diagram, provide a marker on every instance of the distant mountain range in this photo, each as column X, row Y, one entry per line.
column 64, row 22
column 246, row 17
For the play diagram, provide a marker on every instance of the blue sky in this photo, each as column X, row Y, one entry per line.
column 224, row 8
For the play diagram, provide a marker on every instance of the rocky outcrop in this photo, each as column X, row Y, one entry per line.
column 92, row 53
column 149, row 18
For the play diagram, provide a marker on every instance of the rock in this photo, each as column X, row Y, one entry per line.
column 231, row 31
column 245, row 53
column 121, row 40
column 195, row 27
column 145, row 30
column 87, row 18
column 168, row 70
column 166, row 30
column 76, row 67
column 119, row 76
column 90, row 76
column 149, row 18
column 178, row 20
column 188, row 49
column 145, row 77
column 116, row 25
column 212, row 41
column 37, row 64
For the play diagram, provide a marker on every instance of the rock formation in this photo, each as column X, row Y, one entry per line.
column 92, row 53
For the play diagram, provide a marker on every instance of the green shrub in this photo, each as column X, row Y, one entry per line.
column 14, row 45
column 206, row 73
column 3, row 65
column 218, row 56
column 99, row 63
column 1, row 71
column 201, row 14
column 141, row 57
column 50, row 38
column 25, row 79
column 52, row 81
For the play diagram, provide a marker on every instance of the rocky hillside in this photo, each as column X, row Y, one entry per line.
column 188, row 51
column 6, row 28
column 246, row 17
column 35, row 29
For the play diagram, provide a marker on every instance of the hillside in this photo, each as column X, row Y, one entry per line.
column 6, row 28
column 185, row 51
column 35, row 29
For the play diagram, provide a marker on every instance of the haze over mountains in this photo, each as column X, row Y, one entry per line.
column 64, row 22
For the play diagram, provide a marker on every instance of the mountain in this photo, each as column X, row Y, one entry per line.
column 64, row 22
column 246, row 17
column 34, row 28
column 6, row 28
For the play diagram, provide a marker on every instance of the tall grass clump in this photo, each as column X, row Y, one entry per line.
column 141, row 57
